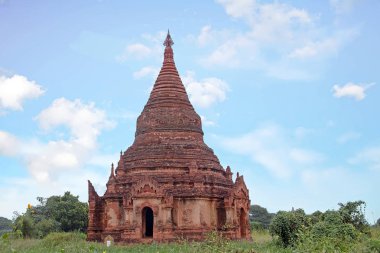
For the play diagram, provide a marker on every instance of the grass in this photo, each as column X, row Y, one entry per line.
column 75, row 242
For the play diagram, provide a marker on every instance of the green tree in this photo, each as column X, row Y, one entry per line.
column 25, row 224
column 288, row 225
column 5, row 225
column 68, row 211
column 260, row 217
column 53, row 214
column 354, row 213
column 378, row 222
column 316, row 217
column 46, row 226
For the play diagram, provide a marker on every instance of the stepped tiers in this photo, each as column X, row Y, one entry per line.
column 169, row 184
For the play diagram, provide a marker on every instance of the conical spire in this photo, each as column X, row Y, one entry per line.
column 168, row 107
column 168, row 130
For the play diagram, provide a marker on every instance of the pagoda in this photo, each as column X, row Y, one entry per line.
column 168, row 184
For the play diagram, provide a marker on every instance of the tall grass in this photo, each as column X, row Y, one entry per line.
column 261, row 242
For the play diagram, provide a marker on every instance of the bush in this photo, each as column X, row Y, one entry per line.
column 25, row 225
column 288, row 225
column 354, row 213
column 46, row 226
column 257, row 226
column 329, row 235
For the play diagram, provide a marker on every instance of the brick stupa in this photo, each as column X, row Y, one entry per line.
column 169, row 184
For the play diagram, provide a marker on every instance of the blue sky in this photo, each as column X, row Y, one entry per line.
column 288, row 92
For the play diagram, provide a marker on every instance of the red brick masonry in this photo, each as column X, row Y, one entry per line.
column 169, row 184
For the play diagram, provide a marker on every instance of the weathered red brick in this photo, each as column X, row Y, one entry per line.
column 169, row 184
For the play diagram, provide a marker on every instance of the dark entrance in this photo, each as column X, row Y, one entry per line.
column 243, row 227
column 147, row 222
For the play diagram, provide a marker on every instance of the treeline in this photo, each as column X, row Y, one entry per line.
column 54, row 214
column 259, row 217
column 5, row 225
column 331, row 231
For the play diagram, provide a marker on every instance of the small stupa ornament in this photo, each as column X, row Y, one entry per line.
column 168, row 41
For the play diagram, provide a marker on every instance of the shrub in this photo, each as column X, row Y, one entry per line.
column 329, row 235
column 257, row 226
column 25, row 225
column 354, row 213
column 287, row 226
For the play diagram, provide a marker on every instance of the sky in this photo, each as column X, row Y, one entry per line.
column 288, row 92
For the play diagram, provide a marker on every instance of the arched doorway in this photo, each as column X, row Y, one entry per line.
column 147, row 222
column 243, row 226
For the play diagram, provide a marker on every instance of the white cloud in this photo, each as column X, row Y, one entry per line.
column 227, row 54
column 206, row 121
column 350, row 89
column 136, row 51
column 343, row 6
column 22, row 191
column 104, row 160
column 57, row 165
column 146, row 71
column 367, row 157
column 327, row 46
column 303, row 156
column 281, row 40
column 315, row 177
column 47, row 160
column 205, row 92
column 348, row 136
column 150, row 48
column 84, row 121
column 271, row 147
column 9, row 144
column 205, row 36
column 14, row 90
column 238, row 8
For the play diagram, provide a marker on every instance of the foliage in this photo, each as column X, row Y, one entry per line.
column 316, row 217
column 56, row 213
column 288, row 225
column 331, row 231
column 46, row 226
column 354, row 213
column 260, row 215
column 262, row 243
column 256, row 226
column 75, row 242
column 328, row 235
column 68, row 211
column 5, row 225
column 378, row 222
column 25, row 225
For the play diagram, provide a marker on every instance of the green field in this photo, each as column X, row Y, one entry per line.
column 75, row 242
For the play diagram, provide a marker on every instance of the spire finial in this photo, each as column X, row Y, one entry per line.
column 168, row 41
column 112, row 171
